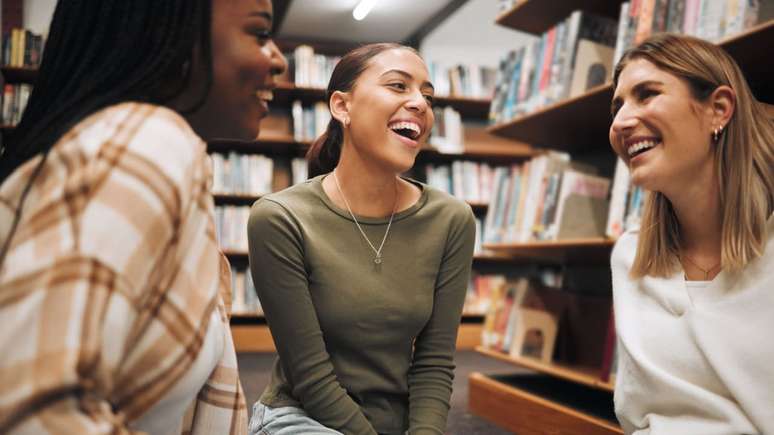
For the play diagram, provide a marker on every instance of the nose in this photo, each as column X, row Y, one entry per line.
column 417, row 102
column 278, row 63
column 623, row 121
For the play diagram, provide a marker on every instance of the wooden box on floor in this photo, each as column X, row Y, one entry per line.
column 515, row 403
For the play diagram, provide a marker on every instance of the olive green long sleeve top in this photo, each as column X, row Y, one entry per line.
column 363, row 348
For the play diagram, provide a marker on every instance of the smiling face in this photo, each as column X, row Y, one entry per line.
column 245, row 61
column 390, row 109
column 659, row 129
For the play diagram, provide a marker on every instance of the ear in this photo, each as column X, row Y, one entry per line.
column 339, row 106
column 722, row 103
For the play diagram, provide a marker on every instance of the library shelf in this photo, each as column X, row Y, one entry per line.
column 285, row 93
column 6, row 128
column 588, row 376
column 271, row 145
column 235, row 198
column 518, row 403
column 19, row 75
column 588, row 251
column 585, row 119
column 478, row 207
column 537, row 16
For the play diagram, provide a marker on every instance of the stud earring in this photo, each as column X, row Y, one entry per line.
column 716, row 133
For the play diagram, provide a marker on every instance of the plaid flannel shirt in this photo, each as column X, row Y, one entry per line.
column 110, row 281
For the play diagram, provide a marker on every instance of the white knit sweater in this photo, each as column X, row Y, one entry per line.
column 694, row 358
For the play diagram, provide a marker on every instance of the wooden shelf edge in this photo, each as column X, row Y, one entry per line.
column 552, row 245
column 480, row 384
column 500, row 129
column 579, row 375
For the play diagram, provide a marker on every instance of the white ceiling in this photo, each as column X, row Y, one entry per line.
column 389, row 20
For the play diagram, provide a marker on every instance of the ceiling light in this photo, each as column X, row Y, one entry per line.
column 363, row 8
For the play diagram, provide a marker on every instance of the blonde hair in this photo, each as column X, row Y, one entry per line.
column 744, row 158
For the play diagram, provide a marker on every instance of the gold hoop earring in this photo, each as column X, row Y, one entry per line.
column 346, row 122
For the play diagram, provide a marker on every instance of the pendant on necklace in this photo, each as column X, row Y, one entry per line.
column 378, row 260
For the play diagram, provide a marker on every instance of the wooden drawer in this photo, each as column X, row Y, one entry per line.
column 540, row 404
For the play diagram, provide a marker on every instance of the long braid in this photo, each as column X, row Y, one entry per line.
column 102, row 52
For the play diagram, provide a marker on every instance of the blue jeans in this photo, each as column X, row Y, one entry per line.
column 287, row 420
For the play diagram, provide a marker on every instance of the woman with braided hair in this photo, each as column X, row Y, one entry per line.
column 113, row 292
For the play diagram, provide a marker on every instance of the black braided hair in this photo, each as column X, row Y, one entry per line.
column 103, row 52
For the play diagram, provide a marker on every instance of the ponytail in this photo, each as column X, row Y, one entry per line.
column 323, row 154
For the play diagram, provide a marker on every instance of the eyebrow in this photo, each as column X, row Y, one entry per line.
column 262, row 14
column 636, row 88
column 408, row 76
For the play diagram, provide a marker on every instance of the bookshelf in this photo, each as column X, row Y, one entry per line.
column 537, row 16
column 578, row 374
column 19, row 75
column 593, row 250
column 563, row 396
column 581, row 119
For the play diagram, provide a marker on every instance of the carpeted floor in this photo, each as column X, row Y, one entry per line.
column 254, row 369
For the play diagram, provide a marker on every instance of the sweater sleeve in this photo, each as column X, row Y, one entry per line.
column 432, row 370
column 280, row 277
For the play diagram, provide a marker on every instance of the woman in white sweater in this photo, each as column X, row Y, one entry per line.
column 693, row 287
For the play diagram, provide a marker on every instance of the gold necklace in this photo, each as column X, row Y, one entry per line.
column 378, row 252
column 706, row 271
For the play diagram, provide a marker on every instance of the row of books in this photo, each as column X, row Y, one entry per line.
column 468, row 81
column 21, row 48
column 706, row 19
column 231, row 226
column 244, row 300
column 571, row 57
column 626, row 203
column 309, row 122
column 448, row 134
column 547, row 198
column 467, row 180
column 518, row 321
column 247, row 174
column 253, row 174
column 525, row 319
column 310, row 69
column 14, row 100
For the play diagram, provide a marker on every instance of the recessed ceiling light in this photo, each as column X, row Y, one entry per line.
column 363, row 8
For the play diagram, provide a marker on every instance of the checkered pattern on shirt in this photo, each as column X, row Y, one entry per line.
column 110, row 280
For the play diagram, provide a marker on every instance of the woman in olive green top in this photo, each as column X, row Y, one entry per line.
column 362, row 273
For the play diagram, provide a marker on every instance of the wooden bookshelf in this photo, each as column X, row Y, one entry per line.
column 285, row 93
column 537, row 16
column 235, row 198
column 478, row 207
column 588, row 251
column 19, row 75
column 518, row 403
column 270, row 145
column 585, row 120
column 588, row 376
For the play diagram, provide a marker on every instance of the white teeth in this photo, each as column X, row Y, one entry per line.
column 407, row 126
column 639, row 146
column 265, row 94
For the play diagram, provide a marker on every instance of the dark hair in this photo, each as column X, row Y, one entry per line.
column 324, row 153
column 102, row 52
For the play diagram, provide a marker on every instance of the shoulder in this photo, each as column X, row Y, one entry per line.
column 287, row 205
column 442, row 202
column 624, row 250
column 457, row 214
column 142, row 148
